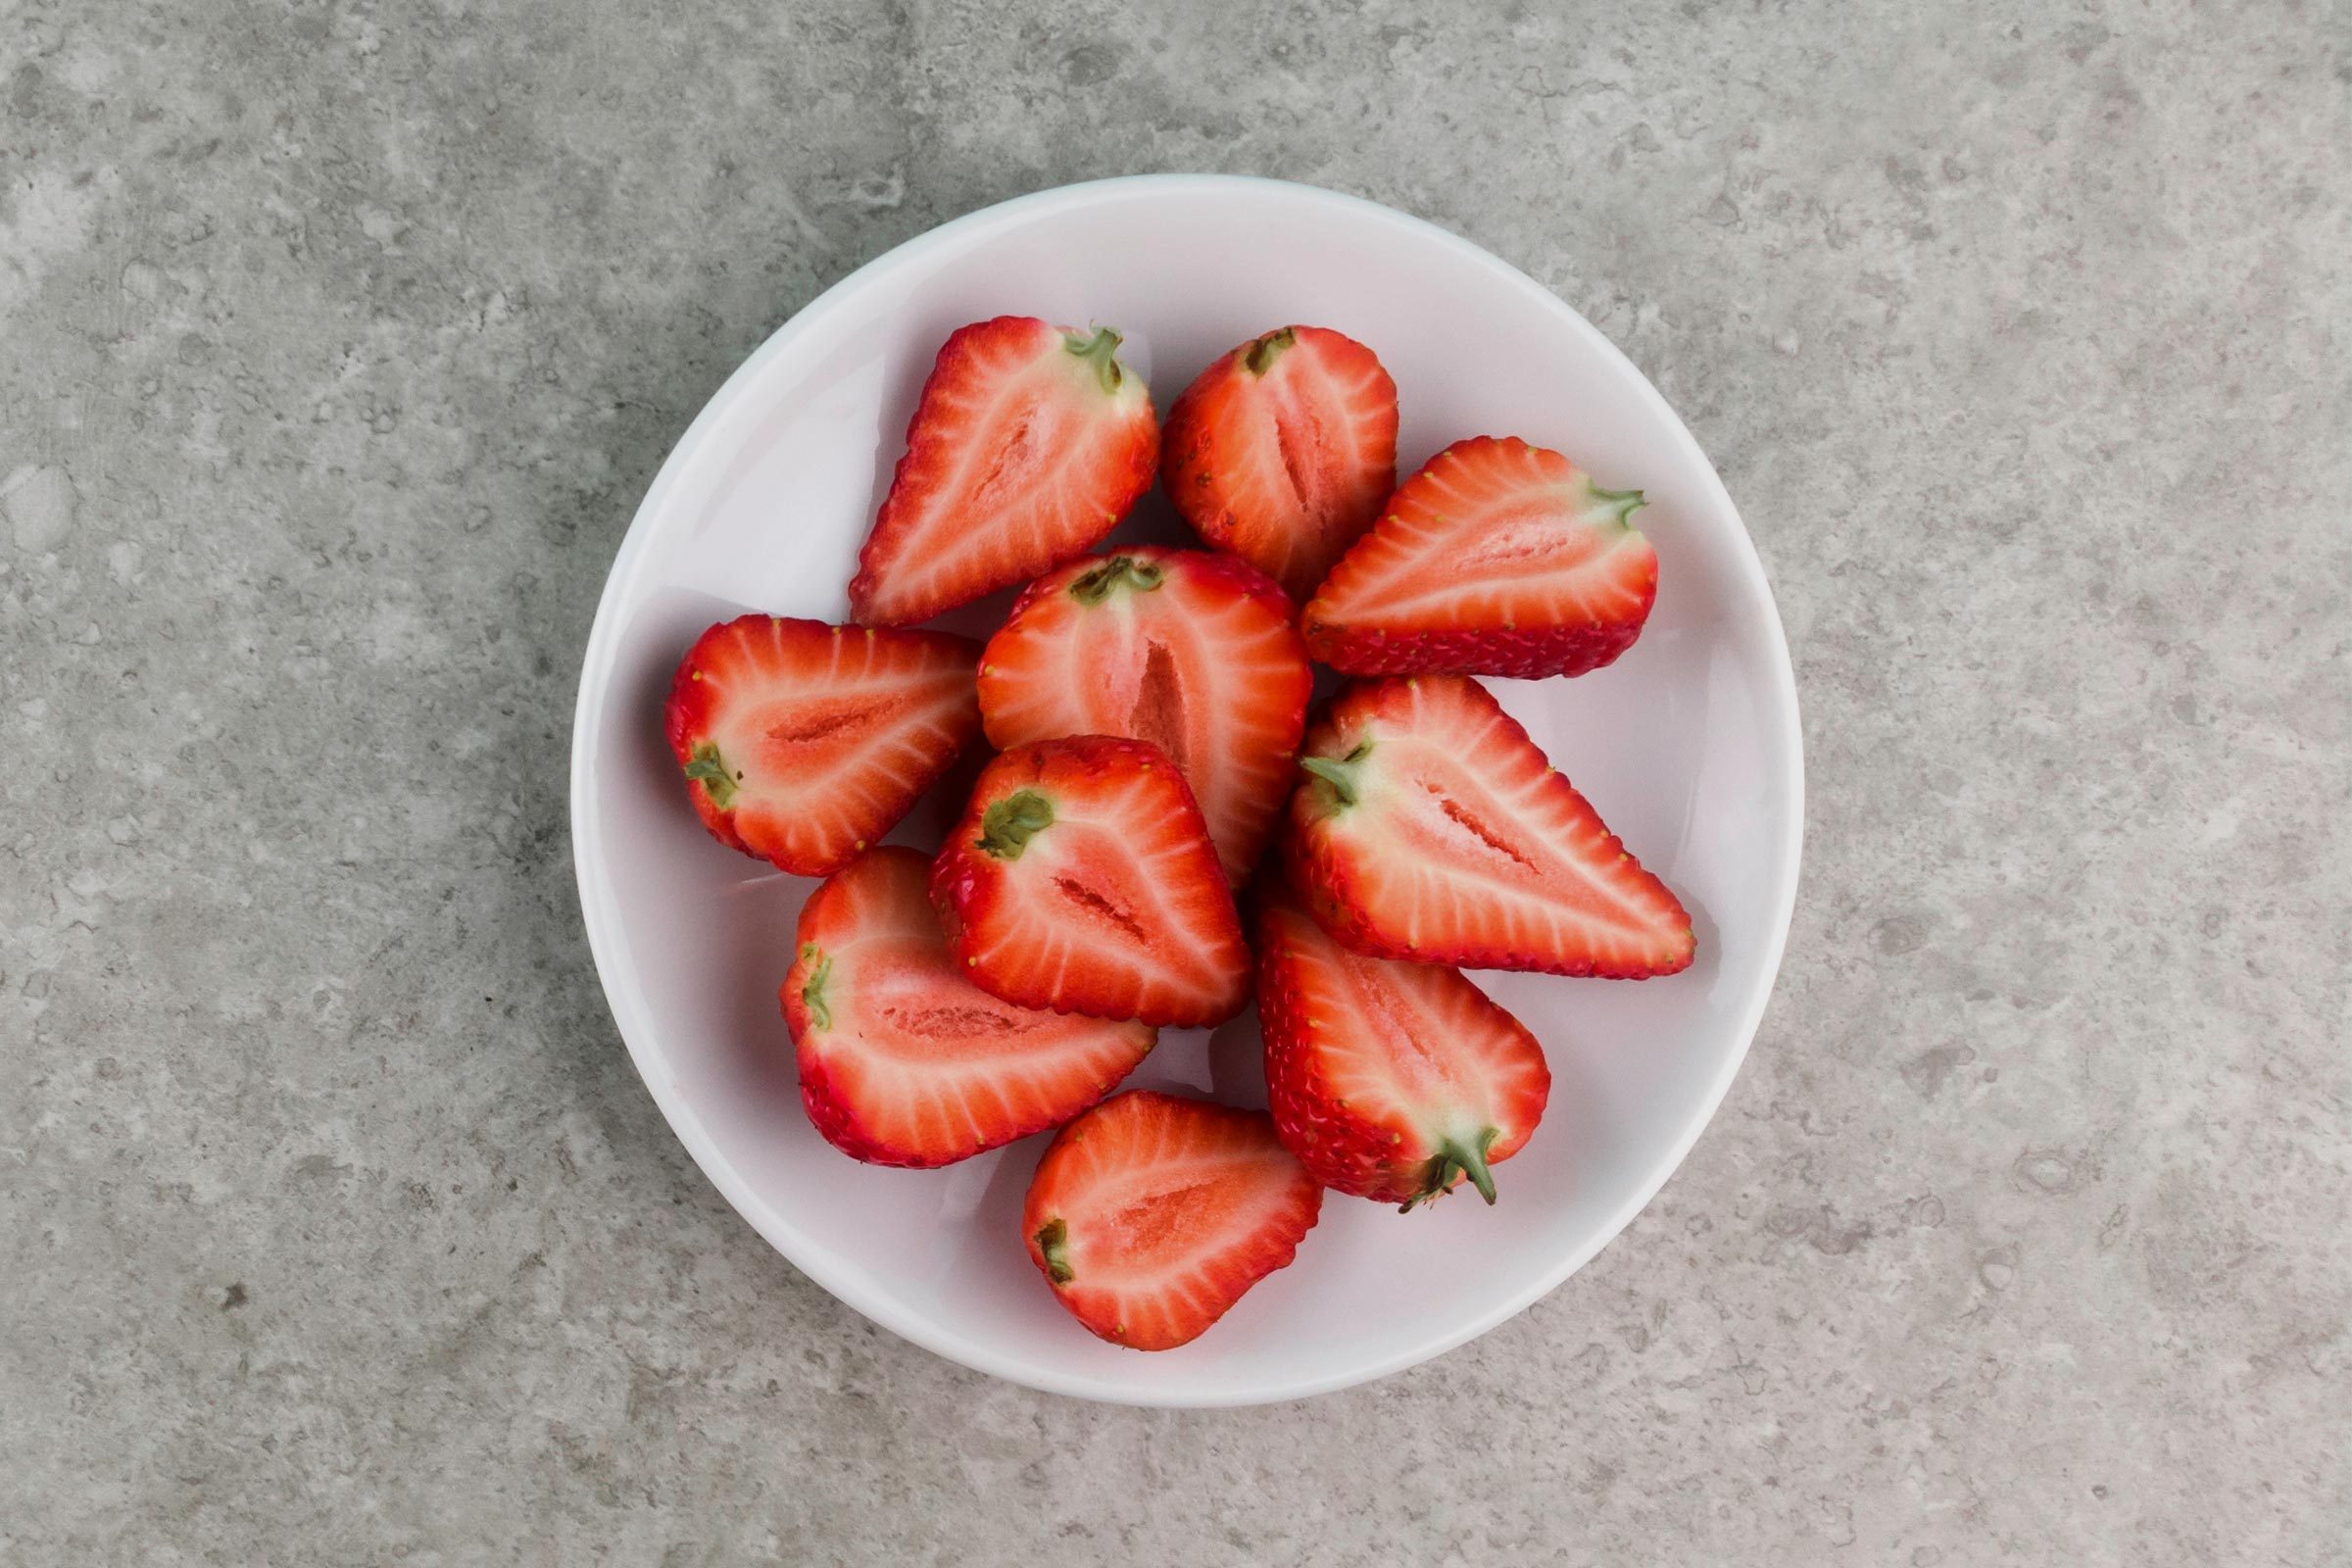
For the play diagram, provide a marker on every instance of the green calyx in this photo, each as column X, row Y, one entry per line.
column 1054, row 1242
column 1119, row 571
column 1259, row 357
column 812, row 988
column 706, row 769
column 1006, row 827
column 1623, row 503
column 1340, row 773
column 1454, row 1156
column 1102, row 352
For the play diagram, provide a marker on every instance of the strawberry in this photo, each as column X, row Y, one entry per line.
column 1283, row 451
column 1151, row 1214
column 903, row 1061
column 1080, row 878
column 1496, row 559
column 1391, row 1081
column 1030, row 443
column 1191, row 652
column 804, row 742
column 1435, row 830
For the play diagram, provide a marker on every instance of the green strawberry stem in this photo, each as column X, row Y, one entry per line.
column 1006, row 826
column 1102, row 352
column 1453, row 1155
column 812, row 988
column 1338, row 772
column 1625, row 502
column 1118, row 573
column 711, row 771
column 1259, row 357
column 1472, row 1158
column 1054, row 1242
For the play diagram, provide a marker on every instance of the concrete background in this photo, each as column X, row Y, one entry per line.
column 337, row 343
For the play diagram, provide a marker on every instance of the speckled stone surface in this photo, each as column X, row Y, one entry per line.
column 337, row 343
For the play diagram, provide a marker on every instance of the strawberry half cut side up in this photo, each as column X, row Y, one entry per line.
column 1190, row 651
column 1283, row 451
column 1390, row 1081
column 903, row 1061
column 1030, row 443
column 1432, row 829
column 1081, row 879
column 1496, row 559
column 1151, row 1214
column 804, row 742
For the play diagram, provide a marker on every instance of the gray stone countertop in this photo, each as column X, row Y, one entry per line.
column 338, row 341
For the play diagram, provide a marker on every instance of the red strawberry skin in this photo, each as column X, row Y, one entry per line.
column 1030, row 443
column 1081, row 879
column 1283, row 451
column 1193, row 652
column 1496, row 559
column 903, row 1062
column 804, row 742
column 1152, row 1214
column 1390, row 1081
column 1434, row 830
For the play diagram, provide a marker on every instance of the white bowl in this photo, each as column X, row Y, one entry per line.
column 1688, row 746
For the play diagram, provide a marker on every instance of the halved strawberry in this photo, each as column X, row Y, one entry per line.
column 1190, row 651
column 1496, row 559
column 804, row 742
column 903, row 1061
column 1080, row 878
column 1151, row 1214
column 1435, row 830
column 1030, row 443
column 1391, row 1081
column 1282, row 450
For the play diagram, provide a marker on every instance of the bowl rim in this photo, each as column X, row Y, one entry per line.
column 626, row 1004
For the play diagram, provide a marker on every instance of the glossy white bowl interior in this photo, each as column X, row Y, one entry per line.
column 1688, row 745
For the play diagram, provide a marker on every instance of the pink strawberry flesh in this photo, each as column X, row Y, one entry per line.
column 804, row 742
column 1030, row 443
column 1430, row 828
column 1190, row 651
column 1496, row 559
column 1150, row 1215
column 903, row 1061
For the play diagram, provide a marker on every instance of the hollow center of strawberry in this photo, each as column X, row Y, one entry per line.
column 1158, row 713
column 1554, row 529
column 1100, row 906
column 1161, row 1221
column 1469, row 823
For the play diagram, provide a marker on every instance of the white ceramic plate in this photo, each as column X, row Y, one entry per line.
column 1688, row 746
